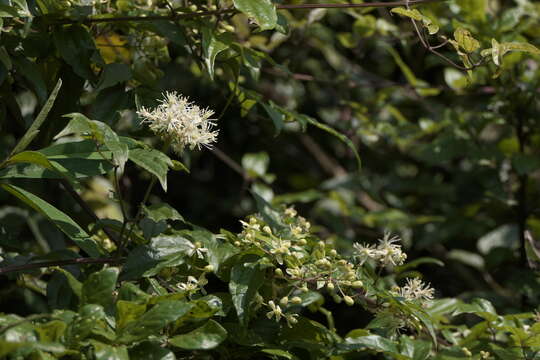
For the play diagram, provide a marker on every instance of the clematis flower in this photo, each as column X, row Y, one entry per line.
column 275, row 312
column 181, row 121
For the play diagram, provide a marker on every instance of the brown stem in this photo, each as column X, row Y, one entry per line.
column 77, row 261
column 178, row 16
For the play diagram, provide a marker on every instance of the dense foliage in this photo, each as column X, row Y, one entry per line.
column 245, row 179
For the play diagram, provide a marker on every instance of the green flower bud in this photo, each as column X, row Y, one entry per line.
column 284, row 301
column 332, row 252
column 302, row 242
column 278, row 272
column 357, row 284
column 348, row 300
column 209, row 268
column 296, row 300
column 330, row 286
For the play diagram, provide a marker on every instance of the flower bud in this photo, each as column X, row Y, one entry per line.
column 330, row 286
column 237, row 243
column 348, row 300
column 284, row 301
column 304, row 289
column 209, row 268
column 337, row 299
column 302, row 242
column 296, row 300
column 267, row 230
column 332, row 253
column 357, row 284
column 278, row 272
column 321, row 244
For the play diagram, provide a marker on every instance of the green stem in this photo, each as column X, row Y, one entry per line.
column 123, row 242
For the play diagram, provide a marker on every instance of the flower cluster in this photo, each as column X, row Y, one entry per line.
column 415, row 289
column 385, row 253
column 300, row 260
column 180, row 121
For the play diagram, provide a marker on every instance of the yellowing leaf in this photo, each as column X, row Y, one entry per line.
column 112, row 48
column 465, row 40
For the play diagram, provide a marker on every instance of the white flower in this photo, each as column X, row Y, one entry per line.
column 389, row 252
column 275, row 312
column 415, row 289
column 365, row 252
column 181, row 121
column 191, row 284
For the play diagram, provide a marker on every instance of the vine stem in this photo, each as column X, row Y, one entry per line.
column 177, row 16
column 123, row 241
column 77, row 261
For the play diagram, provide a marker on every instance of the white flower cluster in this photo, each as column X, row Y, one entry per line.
column 386, row 252
column 181, row 121
column 415, row 289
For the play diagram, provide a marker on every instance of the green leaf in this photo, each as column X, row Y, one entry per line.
column 34, row 128
column 525, row 164
column 114, row 74
column 532, row 251
column 505, row 236
column 153, row 161
column 373, row 342
column 338, row 135
column 276, row 116
column 108, row 352
column 206, row 337
column 417, row 262
column 279, row 352
column 246, row 279
column 99, row 288
column 151, row 323
column 262, row 11
column 256, row 164
column 76, row 46
column 163, row 251
column 412, row 14
column 75, row 285
column 60, row 219
column 219, row 251
column 127, row 312
column 150, row 351
column 30, row 70
column 413, row 348
column 162, row 211
column 100, row 132
column 212, row 45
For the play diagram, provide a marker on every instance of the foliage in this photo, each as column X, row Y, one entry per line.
column 430, row 108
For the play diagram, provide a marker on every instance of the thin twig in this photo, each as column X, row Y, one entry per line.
column 77, row 261
column 179, row 16
column 75, row 195
column 231, row 163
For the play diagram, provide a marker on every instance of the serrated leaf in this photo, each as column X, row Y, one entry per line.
column 412, row 14
column 162, row 211
column 153, row 161
column 206, row 337
column 465, row 40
